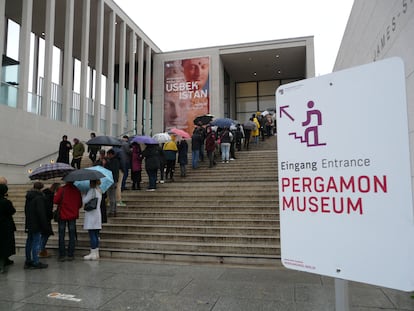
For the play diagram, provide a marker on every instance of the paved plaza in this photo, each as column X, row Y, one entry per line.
column 120, row 285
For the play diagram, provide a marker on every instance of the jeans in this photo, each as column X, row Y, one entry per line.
column 125, row 170
column 152, row 176
column 33, row 247
column 210, row 155
column 111, row 192
column 195, row 157
column 43, row 241
column 72, row 235
column 225, row 151
column 94, row 238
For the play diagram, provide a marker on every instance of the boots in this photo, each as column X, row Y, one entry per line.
column 93, row 255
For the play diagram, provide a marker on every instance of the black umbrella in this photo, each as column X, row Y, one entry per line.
column 83, row 174
column 104, row 141
column 48, row 171
column 204, row 119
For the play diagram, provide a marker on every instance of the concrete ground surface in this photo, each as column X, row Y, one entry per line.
column 120, row 285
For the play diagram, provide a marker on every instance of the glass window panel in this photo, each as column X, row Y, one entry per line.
column 242, row 117
column 12, row 49
column 246, row 89
column 246, row 104
column 268, row 87
column 266, row 103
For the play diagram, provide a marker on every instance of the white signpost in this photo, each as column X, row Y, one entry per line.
column 344, row 176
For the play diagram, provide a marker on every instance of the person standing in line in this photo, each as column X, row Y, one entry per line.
column 49, row 195
column 113, row 165
column 93, row 219
column 225, row 138
column 202, row 132
column 101, row 161
column 170, row 151
column 78, row 151
column 69, row 201
column 255, row 132
column 210, row 146
column 7, row 227
column 93, row 149
column 182, row 147
column 125, row 155
column 152, row 156
column 196, row 142
column 36, row 225
column 64, row 147
column 136, row 166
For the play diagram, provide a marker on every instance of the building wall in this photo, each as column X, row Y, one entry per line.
column 377, row 30
column 28, row 140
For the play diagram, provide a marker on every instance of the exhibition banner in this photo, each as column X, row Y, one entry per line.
column 186, row 92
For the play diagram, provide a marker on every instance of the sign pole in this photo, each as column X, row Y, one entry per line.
column 341, row 295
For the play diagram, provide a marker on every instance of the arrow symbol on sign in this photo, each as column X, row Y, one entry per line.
column 282, row 109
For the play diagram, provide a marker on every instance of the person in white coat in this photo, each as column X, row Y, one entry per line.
column 93, row 219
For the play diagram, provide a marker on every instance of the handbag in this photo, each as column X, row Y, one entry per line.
column 92, row 204
column 56, row 212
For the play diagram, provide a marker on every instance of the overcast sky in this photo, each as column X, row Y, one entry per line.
column 187, row 24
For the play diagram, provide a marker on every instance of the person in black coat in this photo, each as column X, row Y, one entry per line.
column 64, row 147
column 183, row 157
column 36, row 225
column 49, row 195
column 7, row 228
column 152, row 156
column 113, row 164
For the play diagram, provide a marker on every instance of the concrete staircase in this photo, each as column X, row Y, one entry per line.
column 227, row 214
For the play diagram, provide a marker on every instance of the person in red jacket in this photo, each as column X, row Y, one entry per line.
column 69, row 201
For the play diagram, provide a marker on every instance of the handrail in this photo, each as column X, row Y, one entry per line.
column 15, row 164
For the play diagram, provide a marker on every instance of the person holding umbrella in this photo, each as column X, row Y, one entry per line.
column 93, row 149
column 93, row 219
column 69, row 201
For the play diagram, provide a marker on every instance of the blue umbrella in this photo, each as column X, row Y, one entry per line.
column 223, row 122
column 106, row 182
column 144, row 140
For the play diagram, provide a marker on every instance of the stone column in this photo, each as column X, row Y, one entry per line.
column 84, row 60
column 24, row 53
column 68, row 62
column 48, row 66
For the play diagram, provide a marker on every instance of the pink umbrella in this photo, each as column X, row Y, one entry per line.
column 179, row 132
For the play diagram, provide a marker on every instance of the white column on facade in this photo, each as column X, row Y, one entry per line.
column 24, row 53
column 48, row 62
column 121, row 94
column 131, row 79
column 2, row 28
column 111, row 71
column 98, row 64
column 140, row 86
column 84, row 60
column 68, row 62
column 35, row 71
column 148, row 103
